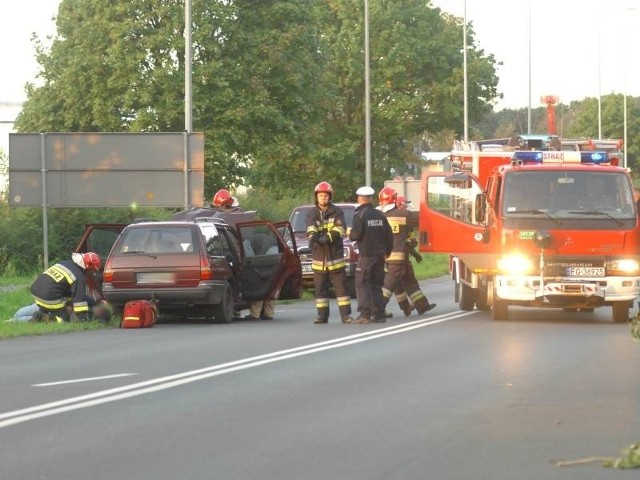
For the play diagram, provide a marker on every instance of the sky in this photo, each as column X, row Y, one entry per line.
column 565, row 39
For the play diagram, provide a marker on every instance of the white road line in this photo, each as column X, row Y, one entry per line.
column 162, row 383
column 79, row 380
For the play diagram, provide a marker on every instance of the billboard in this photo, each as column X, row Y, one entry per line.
column 106, row 169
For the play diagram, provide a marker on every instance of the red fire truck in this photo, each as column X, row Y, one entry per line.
column 528, row 225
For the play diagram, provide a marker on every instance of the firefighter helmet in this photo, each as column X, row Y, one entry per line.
column 324, row 187
column 387, row 196
column 221, row 198
column 87, row 261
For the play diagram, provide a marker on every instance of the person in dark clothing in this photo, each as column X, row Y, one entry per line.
column 400, row 277
column 326, row 229
column 65, row 282
column 372, row 232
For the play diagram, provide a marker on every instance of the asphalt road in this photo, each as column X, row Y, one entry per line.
column 453, row 395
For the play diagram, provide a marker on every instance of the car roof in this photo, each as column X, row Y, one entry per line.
column 173, row 223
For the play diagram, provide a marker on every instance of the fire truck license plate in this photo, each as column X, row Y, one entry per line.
column 585, row 271
column 306, row 268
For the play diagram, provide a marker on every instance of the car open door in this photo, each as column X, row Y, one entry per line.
column 98, row 238
column 455, row 216
column 271, row 266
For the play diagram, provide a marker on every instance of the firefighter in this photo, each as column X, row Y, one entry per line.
column 372, row 232
column 326, row 229
column 62, row 283
column 400, row 276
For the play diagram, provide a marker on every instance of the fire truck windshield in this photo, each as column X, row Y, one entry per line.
column 568, row 194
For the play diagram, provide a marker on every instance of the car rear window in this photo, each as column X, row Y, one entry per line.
column 157, row 240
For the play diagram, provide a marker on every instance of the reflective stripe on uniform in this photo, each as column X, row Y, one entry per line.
column 328, row 265
column 51, row 304
column 59, row 272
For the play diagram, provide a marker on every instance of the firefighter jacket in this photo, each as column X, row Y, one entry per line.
column 60, row 283
column 326, row 230
column 402, row 223
column 372, row 231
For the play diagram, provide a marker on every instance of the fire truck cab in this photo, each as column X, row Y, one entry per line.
column 539, row 228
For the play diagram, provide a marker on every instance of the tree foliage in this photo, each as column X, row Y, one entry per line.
column 278, row 86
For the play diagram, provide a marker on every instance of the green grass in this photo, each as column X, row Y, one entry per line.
column 18, row 296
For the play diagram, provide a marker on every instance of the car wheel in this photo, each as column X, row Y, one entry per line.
column 224, row 311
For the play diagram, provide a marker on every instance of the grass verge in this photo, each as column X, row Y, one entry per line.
column 14, row 294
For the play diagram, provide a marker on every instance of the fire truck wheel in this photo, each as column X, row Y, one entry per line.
column 500, row 309
column 620, row 312
column 466, row 297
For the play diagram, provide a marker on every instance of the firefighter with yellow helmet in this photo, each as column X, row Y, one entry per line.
column 325, row 229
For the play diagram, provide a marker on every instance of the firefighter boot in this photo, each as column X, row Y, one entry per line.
column 423, row 306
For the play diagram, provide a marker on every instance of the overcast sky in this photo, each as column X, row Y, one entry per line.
column 565, row 39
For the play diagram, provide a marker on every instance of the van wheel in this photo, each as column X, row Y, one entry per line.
column 224, row 311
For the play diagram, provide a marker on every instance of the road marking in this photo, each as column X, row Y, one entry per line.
column 162, row 383
column 79, row 380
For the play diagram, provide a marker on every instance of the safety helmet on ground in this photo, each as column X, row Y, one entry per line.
column 324, row 187
column 387, row 196
column 87, row 261
column 222, row 197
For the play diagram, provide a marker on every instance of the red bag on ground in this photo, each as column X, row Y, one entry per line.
column 139, row 314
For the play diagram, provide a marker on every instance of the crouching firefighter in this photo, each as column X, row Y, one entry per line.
column 325, row 230
column 62, row 283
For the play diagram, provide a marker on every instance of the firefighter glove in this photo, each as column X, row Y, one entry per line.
column 323, row 239
column 416, row 255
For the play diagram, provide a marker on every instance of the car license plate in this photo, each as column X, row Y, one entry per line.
column 307, row 268
column 155, row 278
column 585, row 271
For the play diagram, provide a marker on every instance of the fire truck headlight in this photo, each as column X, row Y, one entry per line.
column 515, row 264
column 346, row 253
column 623, row 266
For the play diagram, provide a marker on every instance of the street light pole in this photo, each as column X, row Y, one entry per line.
column 465, row 83
column 529, row 108
column 367, row 105
column 627, row 9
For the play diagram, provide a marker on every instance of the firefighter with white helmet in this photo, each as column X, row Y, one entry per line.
column 400, row 277
column 325, row 229
column 63, row 283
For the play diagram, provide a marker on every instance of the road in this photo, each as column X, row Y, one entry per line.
column 454, row 395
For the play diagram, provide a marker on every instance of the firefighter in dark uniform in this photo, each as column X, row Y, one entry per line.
column 65, row 282
column 326, row 229
column 372, row 232
column 400, row 278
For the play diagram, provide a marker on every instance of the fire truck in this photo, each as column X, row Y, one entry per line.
column 528, row 225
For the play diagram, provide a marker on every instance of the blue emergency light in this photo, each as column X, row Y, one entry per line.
column 559, row 156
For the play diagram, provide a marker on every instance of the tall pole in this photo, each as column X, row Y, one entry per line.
column 188, row 121
column 367, row 103
column 599, row 79
column 188, row 125
column 529, row 109
column 465, row 88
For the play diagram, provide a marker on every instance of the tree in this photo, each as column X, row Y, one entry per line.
column 278, row 86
